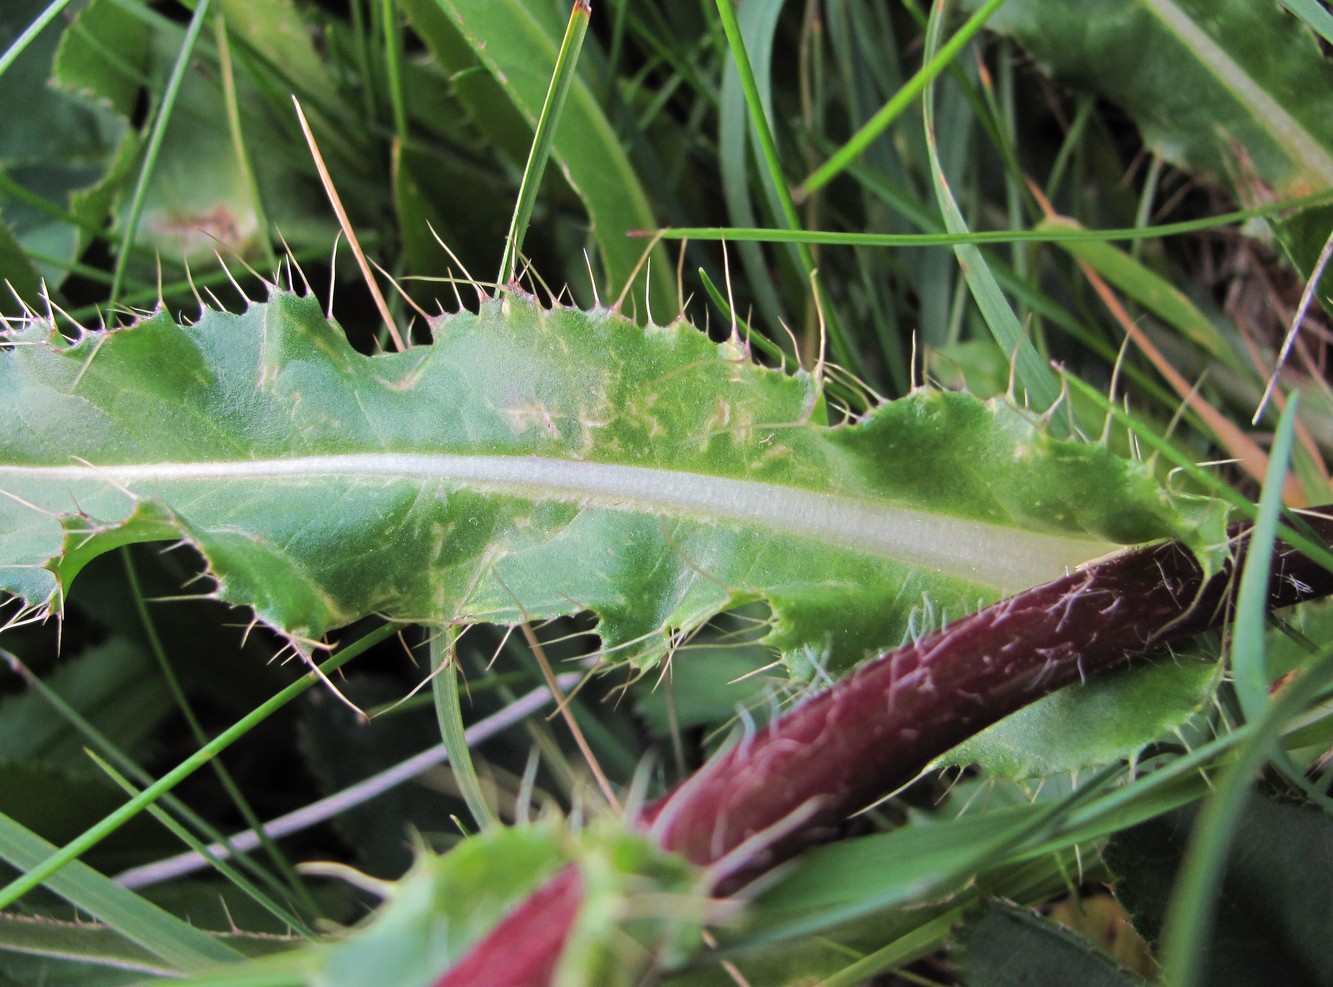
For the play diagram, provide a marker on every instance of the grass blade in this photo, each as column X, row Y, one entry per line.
column 1031, row 370
column 757, row 22
column 186, row 708
column 1316, row 18
column 244, row 884
column 566, row 63
column 358, row 793
column 24, row 39
column 105, row 753
column 773, row 163
column 154, row 146
column 1194, row 897
column 1053, row 230
column 173, row 940
column 1146, row 287
column 838, row 161
column 449, row 711
column 516, row 42
column 1248, row 664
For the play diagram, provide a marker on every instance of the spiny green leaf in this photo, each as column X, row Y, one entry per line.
column 532, row 463
column 41, row 950
column 51, row 952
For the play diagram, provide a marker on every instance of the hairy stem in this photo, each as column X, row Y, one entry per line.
column 782, row 788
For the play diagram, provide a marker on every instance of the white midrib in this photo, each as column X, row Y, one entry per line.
column 1007, row 559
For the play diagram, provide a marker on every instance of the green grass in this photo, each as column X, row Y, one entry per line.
column 891, row 195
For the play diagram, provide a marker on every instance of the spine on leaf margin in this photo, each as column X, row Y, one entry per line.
column 760, row 802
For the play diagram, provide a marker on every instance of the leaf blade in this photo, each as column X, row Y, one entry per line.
column 661, row 476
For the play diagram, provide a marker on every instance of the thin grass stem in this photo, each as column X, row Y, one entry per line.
column 154, row 146
column 566, row 65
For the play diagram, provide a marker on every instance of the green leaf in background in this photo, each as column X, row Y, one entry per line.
column 62, row 143
column 110, row 683
column 20, row 272
column 277, row 31
column 1273, row 910
column 1234, row 90
column 533, row 463
column 103, row 55
column 202, row 196
column 1009, row 946
column 1081, row 727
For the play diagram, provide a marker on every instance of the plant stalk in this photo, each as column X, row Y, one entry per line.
column 785, row 787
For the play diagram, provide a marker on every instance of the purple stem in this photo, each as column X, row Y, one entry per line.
column 784, row 787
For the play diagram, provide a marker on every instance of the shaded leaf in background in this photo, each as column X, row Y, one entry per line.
column 20, row 273
column 202, row 196
column 114, row 685
column 58, row 802
column 1233, row 90
column 342, row 749
column 1009, row 946
column 62, row 143
column 1273, row 912
column 102, row 56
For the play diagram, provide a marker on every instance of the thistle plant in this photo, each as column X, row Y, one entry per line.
column 898, row 581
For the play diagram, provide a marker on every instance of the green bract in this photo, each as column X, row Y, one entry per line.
column 531, row 463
